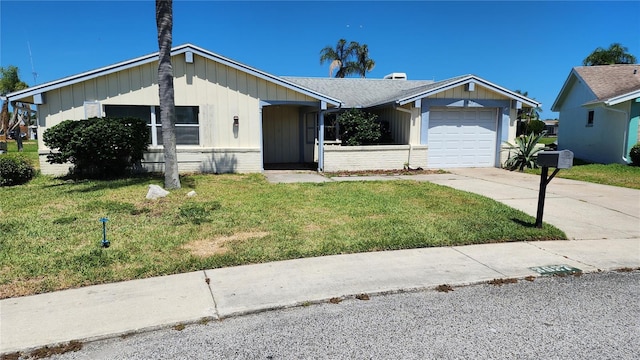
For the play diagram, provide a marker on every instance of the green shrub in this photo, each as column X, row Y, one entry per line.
column 15, row 170
column 634, row 154
column 98, row 147
column 525, row 152
column 359, row 128
column 535, row 126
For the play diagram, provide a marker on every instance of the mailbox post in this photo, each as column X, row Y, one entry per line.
column 557, row 159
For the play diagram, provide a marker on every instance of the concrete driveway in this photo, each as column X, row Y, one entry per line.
column 582, row 210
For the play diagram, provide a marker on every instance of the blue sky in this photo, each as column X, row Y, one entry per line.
column 530, row 46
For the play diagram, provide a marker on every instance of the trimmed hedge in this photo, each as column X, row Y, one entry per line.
column 98, row 147
column 15, row 170
column 634, row 154
column 359, row 128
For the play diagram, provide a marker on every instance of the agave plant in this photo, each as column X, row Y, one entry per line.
column 525, row 152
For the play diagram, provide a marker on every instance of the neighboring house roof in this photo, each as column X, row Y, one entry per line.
column 610, row 84
column 39, row 89
column 373, row 92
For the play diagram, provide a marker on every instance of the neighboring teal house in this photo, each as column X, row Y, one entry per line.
column 599, row 110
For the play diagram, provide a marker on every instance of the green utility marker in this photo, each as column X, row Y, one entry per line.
column 549, row 270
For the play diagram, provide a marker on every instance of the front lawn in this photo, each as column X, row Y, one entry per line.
column 548, row 140
column 611, row 174
column 29, row 150
column 50, row 232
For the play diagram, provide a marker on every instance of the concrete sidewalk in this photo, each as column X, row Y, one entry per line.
column 604, row 219
column 110, row 310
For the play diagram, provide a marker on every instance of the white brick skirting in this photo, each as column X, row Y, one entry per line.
column 190, row 160
column 373, row 157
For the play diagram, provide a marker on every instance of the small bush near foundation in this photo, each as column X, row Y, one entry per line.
column 15, row 170
column 359, row 128
column 634, row 154
column 98, row 147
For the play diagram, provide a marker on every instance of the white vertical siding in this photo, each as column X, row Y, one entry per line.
column 282, row 134
column 399, row 123
column 459, row 92
column 220, row 92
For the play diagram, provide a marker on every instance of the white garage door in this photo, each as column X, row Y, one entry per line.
column 462, row 138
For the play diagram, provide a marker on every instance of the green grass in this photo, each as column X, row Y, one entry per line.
column 547, row 140
column 50, row 231
column 29, row 150
column 611, row 174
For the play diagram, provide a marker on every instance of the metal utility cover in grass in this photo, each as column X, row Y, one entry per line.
column 549, row 270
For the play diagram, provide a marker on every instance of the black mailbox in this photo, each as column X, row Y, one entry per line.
column 562, row 159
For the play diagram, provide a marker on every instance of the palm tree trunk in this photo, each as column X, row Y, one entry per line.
column 4, row 125
column 164, row 22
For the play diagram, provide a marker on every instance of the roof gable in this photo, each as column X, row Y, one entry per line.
column 363, row 93
column 610, row 84
column 182, row 49
column 430, row 90
column 358, row 92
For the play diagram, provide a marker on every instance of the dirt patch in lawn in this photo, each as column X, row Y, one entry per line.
column 207, row 247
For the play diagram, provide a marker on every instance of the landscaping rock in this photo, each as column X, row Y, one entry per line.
column 156, row 192
column 191, row 193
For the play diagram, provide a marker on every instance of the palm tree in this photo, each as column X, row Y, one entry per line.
column 164, row 22
column 525, row 115
column 338, row 57
column 363, row 63
column 615, row 54
column 9, row 82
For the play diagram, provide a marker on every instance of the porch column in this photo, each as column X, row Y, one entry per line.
column 323, row 107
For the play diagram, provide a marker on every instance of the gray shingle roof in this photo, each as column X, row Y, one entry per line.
column 355, row 92
column 609, row 81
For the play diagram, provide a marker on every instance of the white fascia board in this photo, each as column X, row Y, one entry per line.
column 70, row 80
column 17, row 95
column 466, row 80
column 567, row 83
column 443, row 87
column 623, row 98
column 263, row 75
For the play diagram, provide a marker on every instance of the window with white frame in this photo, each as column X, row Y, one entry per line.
column 187, row 122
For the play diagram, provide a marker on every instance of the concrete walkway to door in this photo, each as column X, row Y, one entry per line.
column 582, row 210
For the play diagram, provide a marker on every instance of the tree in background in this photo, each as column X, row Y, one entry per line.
column 615, row 54
column 337, row 57
column 348, row 59
column 363, row 63
column 9, row 82
column 164, row 22
column 526, row 115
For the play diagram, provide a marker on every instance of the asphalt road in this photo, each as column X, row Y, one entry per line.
column 593, row 316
